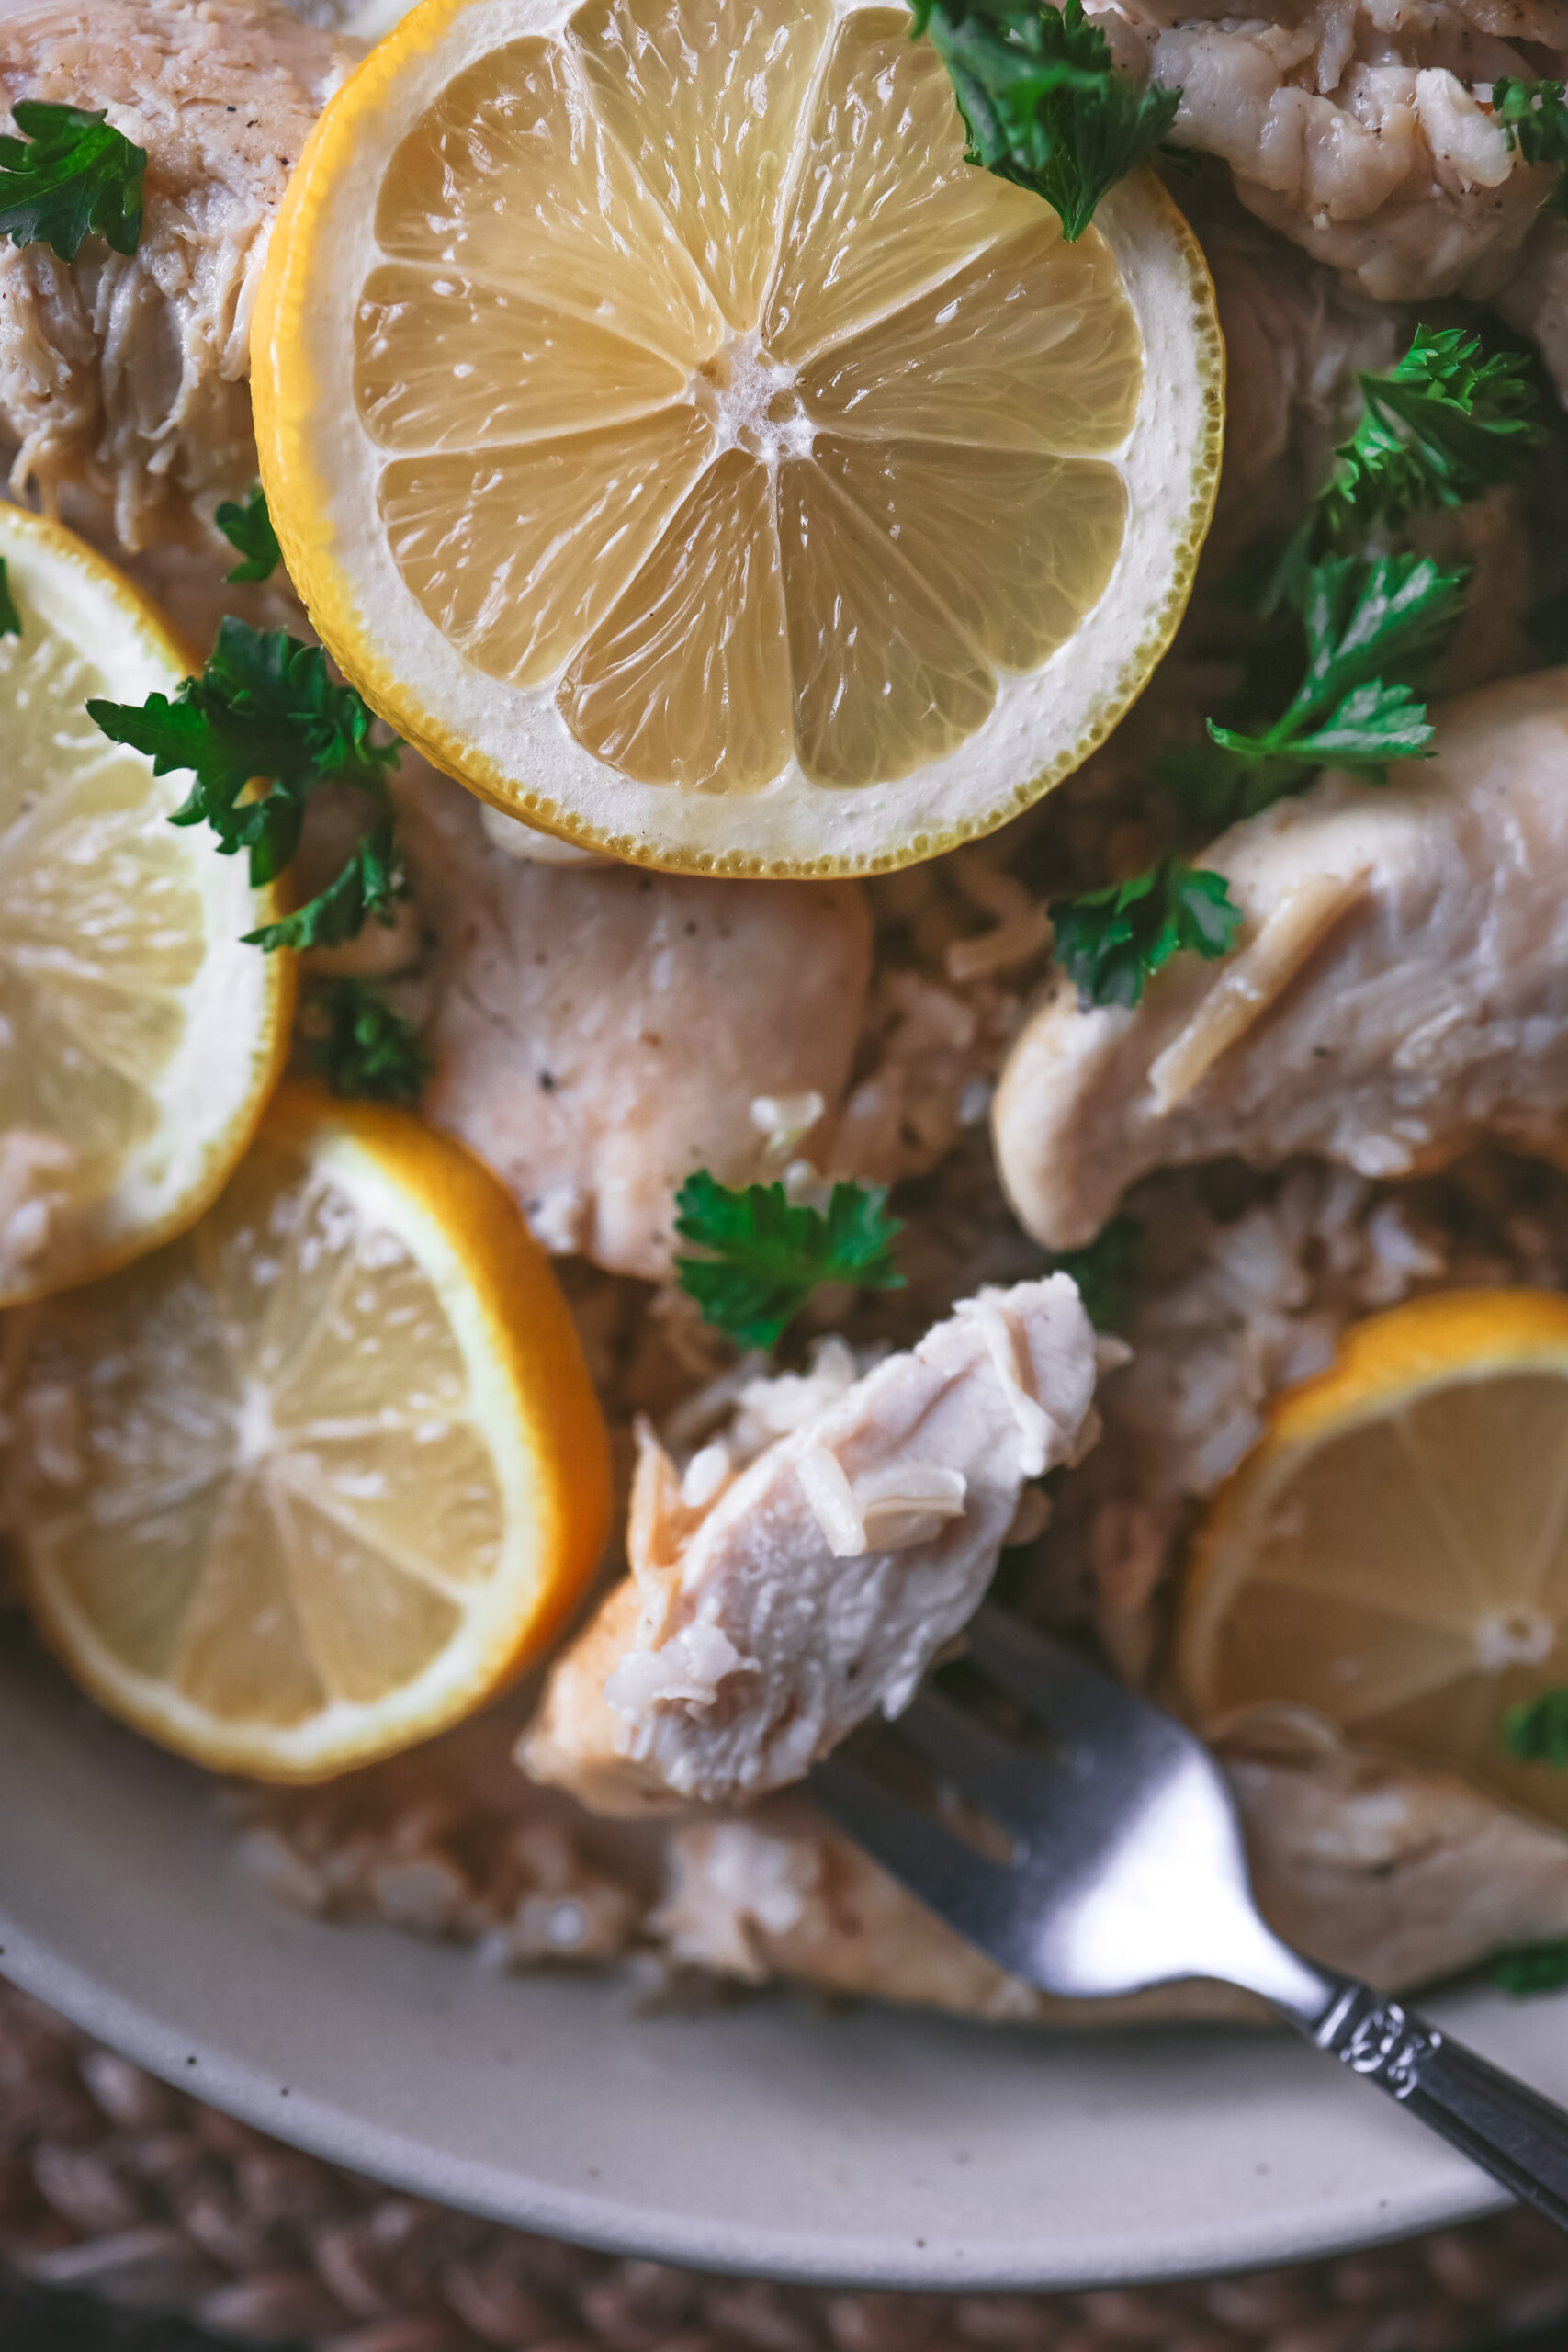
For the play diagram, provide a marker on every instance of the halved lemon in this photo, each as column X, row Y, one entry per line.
column 672, row 436
column 139, row 1038
column 1394, row 1552
column 313, row 1481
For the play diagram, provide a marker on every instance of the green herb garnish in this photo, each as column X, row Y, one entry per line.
column 1535, row 116
column 1443, row 426
column 370, row 885
column 1364, row 617
column 1535, row 1730
column 10, row 618
column 1111, row 941
column 1103, row 1270
column 248, row 528
column 70, row 176
column 1361, row 614
column 1043, row 102
column 362, row 1047
column 766, row 1257
column 1532, row 1968
column 266, row 707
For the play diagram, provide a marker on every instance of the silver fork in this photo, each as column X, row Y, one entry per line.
column 1127, row 1870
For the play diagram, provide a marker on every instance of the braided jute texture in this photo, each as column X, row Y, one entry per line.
column 116, row 2186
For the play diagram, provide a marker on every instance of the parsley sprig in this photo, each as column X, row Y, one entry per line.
column 70, row 176
column 10, row 618
column 1535, row 116
column 1441, row 427
column 764, row 1257
column 1534, row 1731
column 266, row 707
column 1363, row 616
column 362, row 1046
column 1111, row 942
column 1041, row 101
column 248, row 529
column 1104, row 1270
column 1532, row 1968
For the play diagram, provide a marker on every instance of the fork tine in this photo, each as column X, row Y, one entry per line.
column 1002, row 1780
column 928, row 1859
column 1067, row 1695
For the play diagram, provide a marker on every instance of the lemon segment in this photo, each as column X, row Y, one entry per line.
column 1393, row 1553
column 312, row 1482
column 139, row 1038
column 709, row 464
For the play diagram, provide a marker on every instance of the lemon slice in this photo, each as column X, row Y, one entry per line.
column 312, row 1482
column 139, row 1038
column 1394, row 1552
column 673, row 436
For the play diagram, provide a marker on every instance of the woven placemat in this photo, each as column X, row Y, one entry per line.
column 114, row 2186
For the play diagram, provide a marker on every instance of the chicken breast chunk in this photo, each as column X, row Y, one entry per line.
column 1358, row 131
column 599, row 1033
column 1400, row 990
column 130, row 373
column 773, row 1607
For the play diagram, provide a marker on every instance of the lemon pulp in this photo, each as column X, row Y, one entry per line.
column 1394, row 1552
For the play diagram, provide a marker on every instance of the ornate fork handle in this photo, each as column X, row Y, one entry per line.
column 1509, row 2131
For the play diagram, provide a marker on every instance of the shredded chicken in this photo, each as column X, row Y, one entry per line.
column 773, row 1607
column 600, row 1033
column 130, row 373
column 1399, row 992
column 1358, row 127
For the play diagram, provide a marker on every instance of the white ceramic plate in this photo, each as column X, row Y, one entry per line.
column 862, row 2146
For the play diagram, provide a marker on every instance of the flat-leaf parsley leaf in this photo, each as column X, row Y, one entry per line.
column 765, row 1256
column 248, row 529
column 363, row 1046
column 1440, row 427
column 70, row 176
column 1532, row 1968
column 1111, row 941
column 1043, row 102
column 265, row 708
column 1534, row 1731
column 1535, row 116
column 1103, row 1270
column 10, row 618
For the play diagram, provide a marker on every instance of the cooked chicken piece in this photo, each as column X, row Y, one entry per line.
column 130, row 373
column 1394, row 1872
column 1535, row 299
column 1390, row 1872
column 772, row 1608
column 601, row 1033
column 1356, row 130
column 1400, row 990
column 781, row 1893
column 1295, row 339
